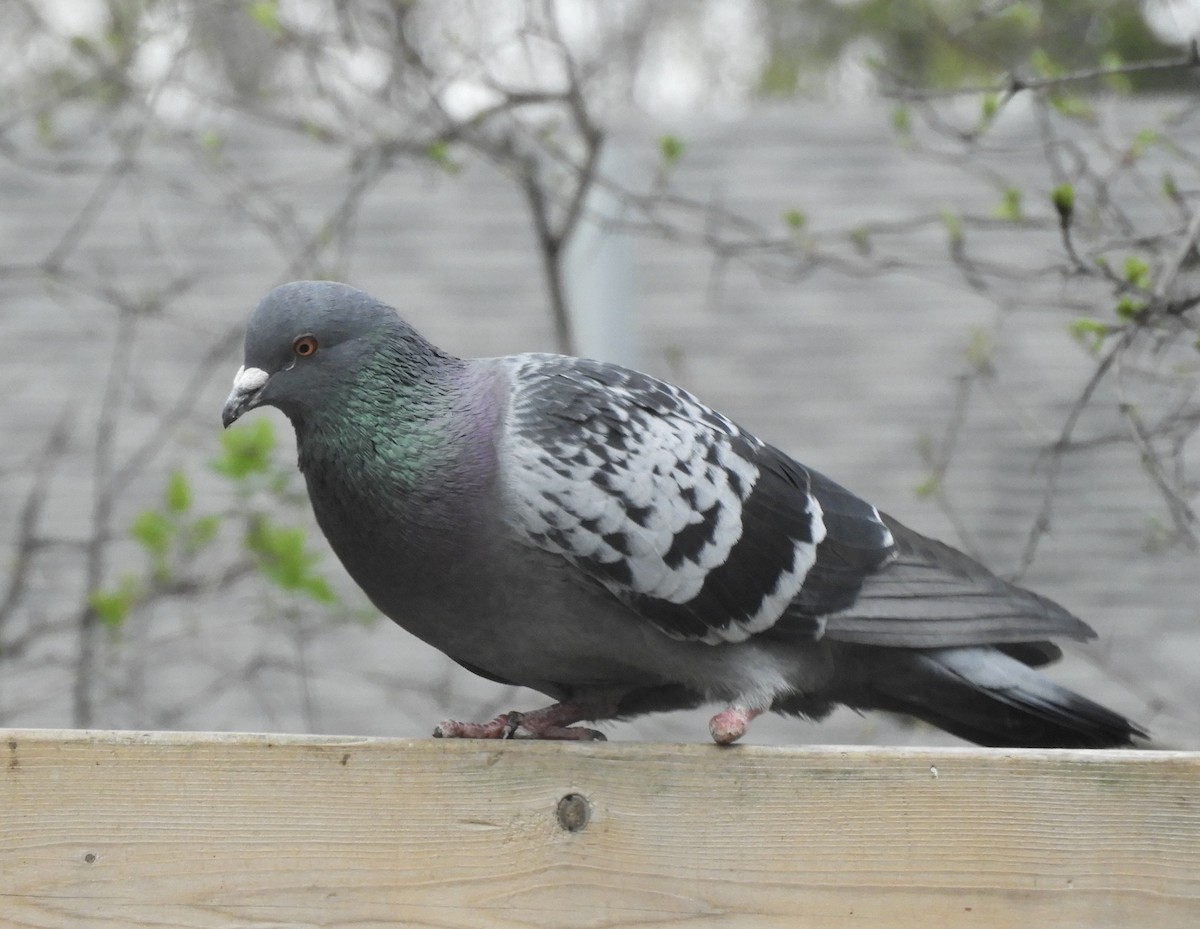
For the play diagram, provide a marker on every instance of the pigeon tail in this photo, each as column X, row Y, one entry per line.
column 987, row 697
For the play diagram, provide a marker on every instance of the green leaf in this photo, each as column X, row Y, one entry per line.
column 318, row 589
column 1137, row 272
column 954, row 227
column 1130, row 309
column 82, row 45
column 989, row 108
column 123, row 32
column 780, row 75
column 861, row 237
column 1073, row 107
column 1089, row 332
column 671, row 149
column 212, row 141
column 245, row 450
column 179, row 495
column 979, row 348
column 902, row 122
column 1142, row 141
column 927, row 488
column 1043, row 65
column 1009, row 207
column 1118, row 82
column 112, row 607
column 1063, row 197
column 43, row 122
column 1169, row 187
column 795, row 218
column 266, row 14
column 153, row 531
column 439, row 154
column 202, row 531
column 1027, row 16
column 316, row 131
column 283, row 558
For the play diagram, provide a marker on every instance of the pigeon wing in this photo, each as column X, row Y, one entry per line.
column 930, row 595
column 713, row 535
column 698, row 526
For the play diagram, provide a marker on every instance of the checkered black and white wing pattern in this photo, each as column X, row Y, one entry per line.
column 698, row 526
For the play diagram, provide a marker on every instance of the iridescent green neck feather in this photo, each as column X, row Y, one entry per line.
column 390, row 422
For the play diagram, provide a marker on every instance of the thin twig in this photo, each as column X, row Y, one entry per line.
column 1058, row 449
column 28, row 541
column 1015, row 83
column 103, row 500
column 1176, row 262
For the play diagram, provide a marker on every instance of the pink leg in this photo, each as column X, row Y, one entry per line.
column 730, row 724
column 552, row 722
column 502, row 727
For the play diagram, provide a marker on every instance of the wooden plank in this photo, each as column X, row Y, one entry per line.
column 120, row 829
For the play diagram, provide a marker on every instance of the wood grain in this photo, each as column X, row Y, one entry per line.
column 120, row 829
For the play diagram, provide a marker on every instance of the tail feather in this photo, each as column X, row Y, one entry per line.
column 988, row 697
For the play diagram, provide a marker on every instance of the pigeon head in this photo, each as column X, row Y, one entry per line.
column 305, row 339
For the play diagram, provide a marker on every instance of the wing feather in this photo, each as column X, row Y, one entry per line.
column 695, row 524
column 712, row 535
column 931, row 595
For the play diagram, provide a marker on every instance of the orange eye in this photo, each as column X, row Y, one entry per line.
column 305, row 345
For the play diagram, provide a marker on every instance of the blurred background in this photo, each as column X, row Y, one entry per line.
column 942, row 251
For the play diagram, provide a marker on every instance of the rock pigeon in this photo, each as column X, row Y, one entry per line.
column 605, row 538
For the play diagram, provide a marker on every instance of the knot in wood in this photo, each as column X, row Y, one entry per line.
column 574, row 812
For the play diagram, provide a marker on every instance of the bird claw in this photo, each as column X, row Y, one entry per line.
column 512, row 723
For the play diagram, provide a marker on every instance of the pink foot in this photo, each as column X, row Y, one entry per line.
column 730, row 724
column 502, row 727
column 552, row 722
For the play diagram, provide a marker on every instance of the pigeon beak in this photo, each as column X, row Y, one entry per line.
column 247, row 386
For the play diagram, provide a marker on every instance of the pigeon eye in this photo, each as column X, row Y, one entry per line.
column 305, row 345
